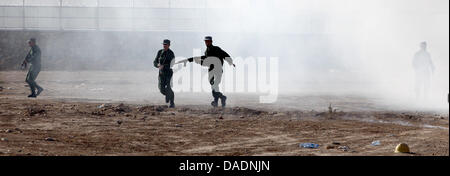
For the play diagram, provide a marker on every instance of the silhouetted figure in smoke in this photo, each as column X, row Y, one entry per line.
column 33, row 57
column 424, row 69
column 164, row 61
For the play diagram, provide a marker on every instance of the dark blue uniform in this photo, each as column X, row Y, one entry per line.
column 215, row 51
column 165, row 59
column 34, row 57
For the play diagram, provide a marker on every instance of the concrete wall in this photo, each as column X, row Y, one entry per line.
column 100, row 50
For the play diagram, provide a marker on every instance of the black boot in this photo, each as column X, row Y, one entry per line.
column 33, row 93
column 216, row 96
column 32, row 89
column 167, row 99
column 223, row 99
column 40, row 89
column 215, row 103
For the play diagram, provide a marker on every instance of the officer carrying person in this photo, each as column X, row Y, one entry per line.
column 34, row 58
column 164, row 61
column 214, row 75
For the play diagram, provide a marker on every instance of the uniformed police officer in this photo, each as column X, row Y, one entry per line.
column 164, row 61
column 215, row 77
column 34, row 58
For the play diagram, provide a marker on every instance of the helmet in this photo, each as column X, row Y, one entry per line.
column 402, row 148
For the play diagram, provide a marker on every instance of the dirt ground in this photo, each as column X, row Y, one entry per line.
column 79, row 118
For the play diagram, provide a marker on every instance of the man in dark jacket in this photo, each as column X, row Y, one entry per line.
column 215, row 75
column 164, row 61
column 33, row 57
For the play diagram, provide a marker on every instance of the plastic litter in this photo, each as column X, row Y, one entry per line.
column 376, row 143
column 309, row 145
column 101, row 106
column 344, row 148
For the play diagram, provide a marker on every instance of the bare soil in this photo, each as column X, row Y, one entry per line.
column 58, row 123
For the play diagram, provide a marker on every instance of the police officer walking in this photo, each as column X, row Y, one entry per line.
column 215, row 75
column 164, row 61
column 34, row 58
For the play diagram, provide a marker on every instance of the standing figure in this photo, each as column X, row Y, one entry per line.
column 424, row 69
column 164, row 61
column 34, row 58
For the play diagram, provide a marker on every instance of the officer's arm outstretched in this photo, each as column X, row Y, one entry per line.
column 198, row 60
column 227, row 58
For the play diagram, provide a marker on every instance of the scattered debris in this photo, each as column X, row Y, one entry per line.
column 279, row 115
column 178, row 125
column 376, row 143
column 36, row 110
column 119, row 122
column 49, row 139
column 18, row 130
column 333, row 145
column 344, row 148
column 98, row 113
column 104, row 109
column 122, row 108
column 240, row 110
column 152, row 109
column 336, row 143
column 332, row 112
column 159, row 109
column 330, row 147
column 8, row 131
column 309, row 145
column 101, row 106
column 321, row 114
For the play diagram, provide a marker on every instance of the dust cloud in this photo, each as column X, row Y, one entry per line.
column 325, row 47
